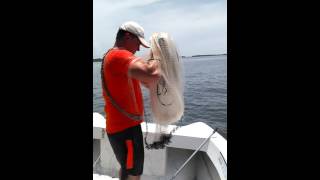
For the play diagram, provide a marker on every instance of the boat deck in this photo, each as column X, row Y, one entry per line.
column 103, row 177
column 208, row 164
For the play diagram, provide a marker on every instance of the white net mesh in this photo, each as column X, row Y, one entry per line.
column 166, row 97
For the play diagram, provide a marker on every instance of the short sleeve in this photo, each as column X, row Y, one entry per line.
column 120, row 61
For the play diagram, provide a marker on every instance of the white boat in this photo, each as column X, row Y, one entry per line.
column 180, row 159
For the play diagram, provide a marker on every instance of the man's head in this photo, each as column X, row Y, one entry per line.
column 131, row 35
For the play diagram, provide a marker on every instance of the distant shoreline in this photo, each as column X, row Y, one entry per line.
column 97, row 60
column 200, row 55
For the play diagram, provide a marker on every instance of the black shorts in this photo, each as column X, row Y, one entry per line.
column 128, row 147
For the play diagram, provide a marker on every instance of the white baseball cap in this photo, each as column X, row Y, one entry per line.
column 135, row 29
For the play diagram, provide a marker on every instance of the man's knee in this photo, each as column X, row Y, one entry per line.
column 130, row 177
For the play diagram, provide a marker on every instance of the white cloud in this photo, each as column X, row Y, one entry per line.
column 115, row 5
column 197, row 28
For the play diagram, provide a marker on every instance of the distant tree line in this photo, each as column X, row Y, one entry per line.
column 97, row 60
column 208, row 55
column 100, row 60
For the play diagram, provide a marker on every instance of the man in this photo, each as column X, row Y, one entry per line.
column 121, row 74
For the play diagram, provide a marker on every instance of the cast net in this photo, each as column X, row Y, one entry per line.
column 166, row 96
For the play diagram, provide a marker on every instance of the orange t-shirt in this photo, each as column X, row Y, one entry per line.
column 116, row 64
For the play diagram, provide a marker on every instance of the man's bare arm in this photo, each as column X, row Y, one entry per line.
column 146, row 72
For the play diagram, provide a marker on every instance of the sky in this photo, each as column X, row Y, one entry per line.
column 196, row 26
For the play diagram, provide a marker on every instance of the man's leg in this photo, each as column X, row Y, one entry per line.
column 138, row 154
column 130, row 177
column 119, row 149
column 123, row 175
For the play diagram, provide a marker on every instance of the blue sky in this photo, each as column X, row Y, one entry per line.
column 196, row 26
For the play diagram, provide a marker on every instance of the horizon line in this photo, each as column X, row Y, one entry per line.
column 194, row 55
